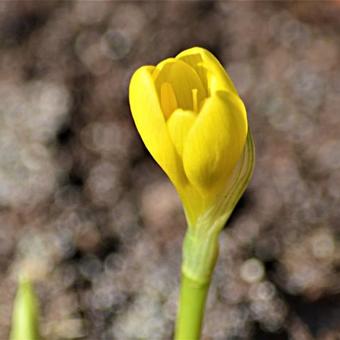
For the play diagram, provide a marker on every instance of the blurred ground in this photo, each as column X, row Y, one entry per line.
column 87, row 211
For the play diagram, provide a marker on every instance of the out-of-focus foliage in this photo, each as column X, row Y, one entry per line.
column 25, row 315
column 86, row 211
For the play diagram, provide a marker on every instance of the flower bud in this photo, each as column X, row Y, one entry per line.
column 194, row 124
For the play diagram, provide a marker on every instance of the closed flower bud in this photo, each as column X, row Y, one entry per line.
column 194, row 124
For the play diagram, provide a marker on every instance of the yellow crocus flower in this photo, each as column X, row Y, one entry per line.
column 194, row 124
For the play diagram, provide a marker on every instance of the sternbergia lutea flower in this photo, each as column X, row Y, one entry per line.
column 193, row 122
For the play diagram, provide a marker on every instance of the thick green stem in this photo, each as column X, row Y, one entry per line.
column 191, row 311
column 199, row 257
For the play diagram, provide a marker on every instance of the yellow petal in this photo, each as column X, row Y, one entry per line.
column 215, row 142
column 151, row 125
column 168, row 99
column 212, row 74
column 183, row 80
column 179, row 126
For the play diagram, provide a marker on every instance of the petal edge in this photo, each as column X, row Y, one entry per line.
column 151, row 125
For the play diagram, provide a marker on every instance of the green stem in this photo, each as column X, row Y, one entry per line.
column 200, row 251
column 191, row 311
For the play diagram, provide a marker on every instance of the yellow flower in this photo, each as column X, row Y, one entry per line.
column 194, row 124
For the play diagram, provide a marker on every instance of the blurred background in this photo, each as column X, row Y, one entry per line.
column 90, row 216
